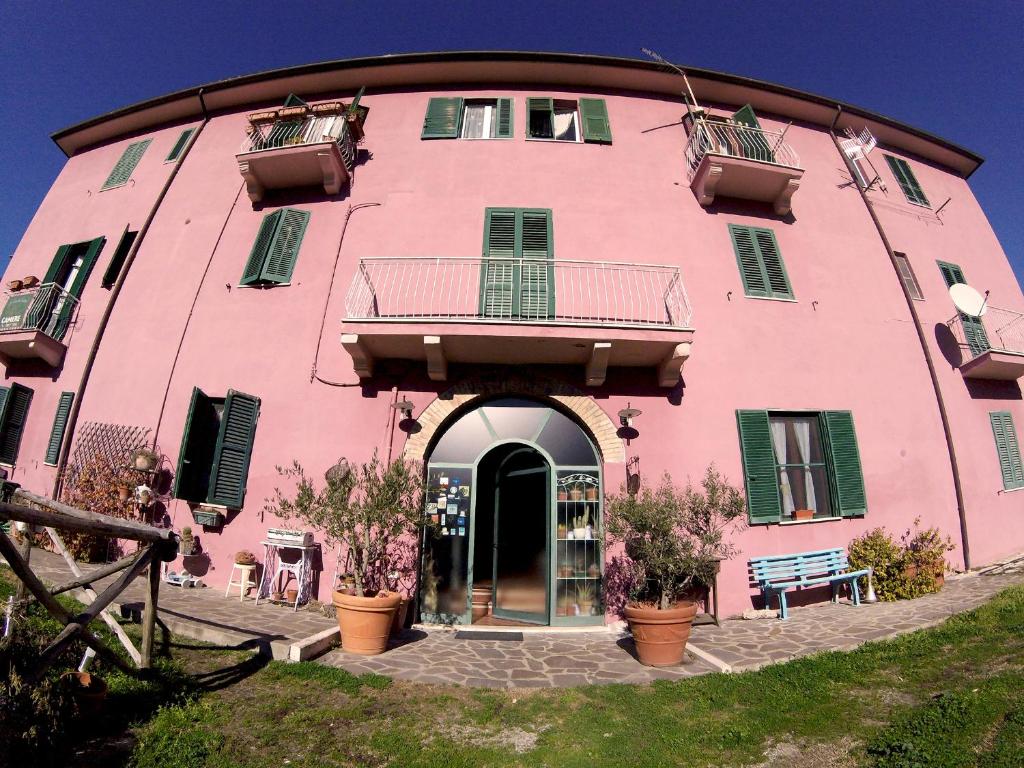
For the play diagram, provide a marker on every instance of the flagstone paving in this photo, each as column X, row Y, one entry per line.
column 550, row 658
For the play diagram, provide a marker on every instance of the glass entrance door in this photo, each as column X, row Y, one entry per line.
column 522, row 503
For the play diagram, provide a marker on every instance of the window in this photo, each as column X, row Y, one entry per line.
column 456, row 117
column 1008, row 449
column 568, row 120
column 179, row 145
column 517, row 279
column 124, row 167
column 273, row 255
column 117, row 260
column 213, row 461
column 14, row 403
column 54, row 304
column 974, row 329
column 800, row 461
column 760, row 262
column 907, row 276
column 908, row 182
column 60, row 423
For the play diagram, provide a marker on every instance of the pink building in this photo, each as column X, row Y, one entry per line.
column 246, row 283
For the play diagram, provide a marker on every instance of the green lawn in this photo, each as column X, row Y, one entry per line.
column 948, row 696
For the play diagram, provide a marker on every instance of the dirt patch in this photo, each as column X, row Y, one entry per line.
column 517, row 739
column 786, row 754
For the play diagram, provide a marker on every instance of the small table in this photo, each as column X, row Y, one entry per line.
column 274, row 566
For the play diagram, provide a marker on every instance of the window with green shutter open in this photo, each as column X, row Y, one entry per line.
column 60, row 423
column 14, row 403
column 517, row 277
column 800, row 465
column 760, row 263
column 908, row 182
column 454, row 117
column 123, row 169
column 276, row 249
column 974, row 327
column 216, row 447
column 568, row 120
column 1007, row 450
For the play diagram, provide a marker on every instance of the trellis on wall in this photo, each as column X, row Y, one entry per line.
column 113, row 443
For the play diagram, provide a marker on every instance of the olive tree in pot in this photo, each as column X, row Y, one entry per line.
column 673, row 540
column 360, row 509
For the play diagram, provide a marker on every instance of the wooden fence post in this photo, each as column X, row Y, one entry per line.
column 149, row 613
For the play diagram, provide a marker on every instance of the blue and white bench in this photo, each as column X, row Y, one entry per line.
column 775, row 574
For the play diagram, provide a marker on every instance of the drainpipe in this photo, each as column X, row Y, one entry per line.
column 114, row 293
column 965, row 546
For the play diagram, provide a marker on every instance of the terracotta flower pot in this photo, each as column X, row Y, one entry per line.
column 291, row 595
column 398, row 623
column 661, row 636
column 365, row 622
column 123, row 492
column 480, row 600
column 15, row 285
column 30, row 281
column 591, row 494
column 803, row 514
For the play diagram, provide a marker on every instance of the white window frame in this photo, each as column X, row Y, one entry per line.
column 490, row 119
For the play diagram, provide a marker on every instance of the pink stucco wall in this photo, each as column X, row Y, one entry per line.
column 847, row 342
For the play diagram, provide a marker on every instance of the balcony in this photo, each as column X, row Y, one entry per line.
column 301, row 146
column 992, row 345
column 735, row 160
column 33, row 324
column 517, row 312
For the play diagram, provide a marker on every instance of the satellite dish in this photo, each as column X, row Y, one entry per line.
column 968, row 300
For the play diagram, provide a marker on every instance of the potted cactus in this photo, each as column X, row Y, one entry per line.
column 580, row 525
column 672, row 538
column 187, row 545
column 585, row 594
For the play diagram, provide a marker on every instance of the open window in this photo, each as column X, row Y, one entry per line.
column 216, row 447
column 568, row 120
column 276, row 249
column 14, row 403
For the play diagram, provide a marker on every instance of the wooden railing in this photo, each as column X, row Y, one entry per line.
column 159, row 545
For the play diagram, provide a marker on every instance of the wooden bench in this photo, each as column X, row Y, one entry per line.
column 776, row 574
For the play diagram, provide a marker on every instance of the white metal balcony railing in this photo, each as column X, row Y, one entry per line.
column 998, row 330
column 737, row 140
column 539, row 291
column 47, row 308
column 312, row 129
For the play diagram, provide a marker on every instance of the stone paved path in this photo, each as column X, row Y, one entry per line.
column 557, row 659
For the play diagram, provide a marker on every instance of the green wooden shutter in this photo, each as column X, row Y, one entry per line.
column 15, row 412
column 505, row 119
column 752, row 144
column 234, row 449
column 594, row 116
column 1008, row 449
column 67, row 307
column 537, row 278
column 905, row 177
column 760, row 470
column 179, row 145
column 540, row 117
column 57, row 265
column 745, row 116
column 754, row 281
column 284, row 250
column 195, row 443
column 124, row 167
column 117, row 260
column 496, row 273
column 60, row 423
column 951, row 273
column 771, row 259
column 443, row 118
column 843, row 459
column 260, row 248
column 974, row 334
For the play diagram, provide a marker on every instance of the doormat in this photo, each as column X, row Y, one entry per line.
column 511, row 636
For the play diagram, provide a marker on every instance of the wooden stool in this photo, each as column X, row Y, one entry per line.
column 247, row 578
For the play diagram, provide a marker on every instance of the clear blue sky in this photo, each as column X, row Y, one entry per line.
column 952, row 68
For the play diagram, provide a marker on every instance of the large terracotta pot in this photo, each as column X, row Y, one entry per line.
column 480, row 600
column 365, row 622
column 398, row 623
column 661, row 636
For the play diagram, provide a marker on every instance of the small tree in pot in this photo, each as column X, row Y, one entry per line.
column 674, row 539
column 363, row 509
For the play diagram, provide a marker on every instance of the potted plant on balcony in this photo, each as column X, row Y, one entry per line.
column 30, row 281
column 672, row 538
column 361, row 509
column 145, row 460
column 15, row 285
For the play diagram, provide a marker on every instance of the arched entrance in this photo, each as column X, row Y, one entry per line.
column 514, row 487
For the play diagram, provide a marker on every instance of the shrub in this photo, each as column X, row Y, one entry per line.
column 901, row 570
column 93, row 487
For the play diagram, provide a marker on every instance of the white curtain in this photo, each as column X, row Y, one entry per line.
column 779, row 441
column 473, row 121
column 802, row 430
column 565, row 126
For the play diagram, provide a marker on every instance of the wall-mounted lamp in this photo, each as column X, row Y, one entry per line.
column 626, row 416
column 404, row 407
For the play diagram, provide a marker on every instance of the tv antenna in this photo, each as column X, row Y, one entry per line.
column 692, row 107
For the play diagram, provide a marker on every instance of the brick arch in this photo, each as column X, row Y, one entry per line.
column 583, row 407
